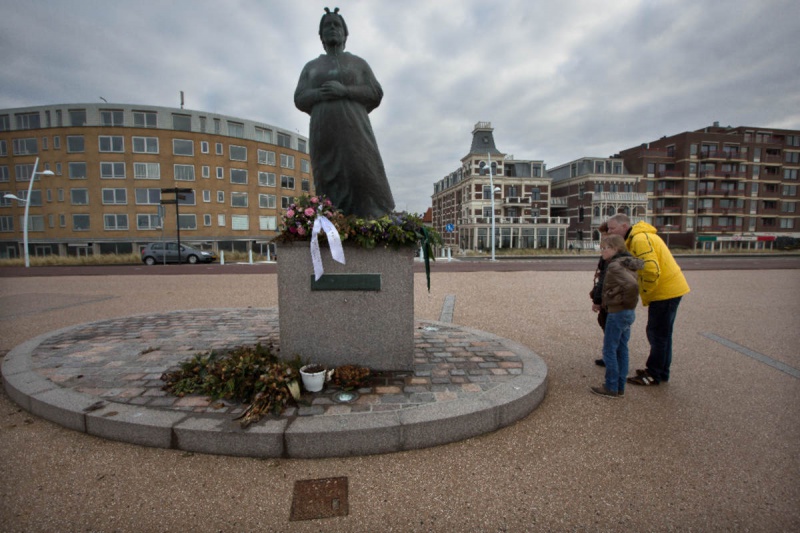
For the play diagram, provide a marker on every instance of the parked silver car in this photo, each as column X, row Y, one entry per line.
column 156, row 252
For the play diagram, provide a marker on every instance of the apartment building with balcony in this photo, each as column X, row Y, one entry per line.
column 516, row 196
column 721, row 187
column 589, row 190
column 111, row 161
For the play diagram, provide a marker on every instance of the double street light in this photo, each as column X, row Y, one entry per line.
column 27, row 202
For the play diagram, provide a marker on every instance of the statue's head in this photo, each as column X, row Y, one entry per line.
column 333, row 29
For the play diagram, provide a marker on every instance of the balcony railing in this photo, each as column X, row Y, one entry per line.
column 596, row 221
column 506, row 221
column 667, row 209
column 517, row 200
column 655, row 152
column 722, row 174
column 720, row 192
column 558, row 202
column 722, row 229
column 669, row 174
column 668, row 192
column 603, row 197
column 721, row 154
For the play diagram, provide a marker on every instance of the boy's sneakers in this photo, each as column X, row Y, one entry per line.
column 642, row 378
column 599, row 362
column 604, row 392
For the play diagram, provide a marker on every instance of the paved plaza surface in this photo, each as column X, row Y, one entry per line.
column 716, row 449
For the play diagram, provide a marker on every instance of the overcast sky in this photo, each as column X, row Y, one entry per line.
column 558, row 80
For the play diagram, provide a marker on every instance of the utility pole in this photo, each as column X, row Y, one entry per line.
column 179, row 193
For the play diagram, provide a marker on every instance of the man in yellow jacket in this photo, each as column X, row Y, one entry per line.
column 661, row 287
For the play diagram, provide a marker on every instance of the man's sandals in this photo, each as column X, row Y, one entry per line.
column 642, row 378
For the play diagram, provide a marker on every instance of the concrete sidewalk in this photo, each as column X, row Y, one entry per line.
column 716, row 449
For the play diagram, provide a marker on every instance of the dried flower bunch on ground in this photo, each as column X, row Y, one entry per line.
column 350, row 377
column 248, row 374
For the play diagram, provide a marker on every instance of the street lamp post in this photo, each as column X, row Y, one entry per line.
column 27, row 209
column 493, row 191
column 668, row 227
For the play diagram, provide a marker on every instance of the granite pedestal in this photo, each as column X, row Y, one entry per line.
column 358, row 313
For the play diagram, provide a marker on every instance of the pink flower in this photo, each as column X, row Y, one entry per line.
column 328, row 202
column 314, row 200
column 309, row 212
column 301, row 230
column 292, row 229
column 289, row 213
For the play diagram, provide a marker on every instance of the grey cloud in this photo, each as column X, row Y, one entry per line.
column 557, row 80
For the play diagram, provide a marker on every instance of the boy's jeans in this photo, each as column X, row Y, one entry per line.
column 615, row 348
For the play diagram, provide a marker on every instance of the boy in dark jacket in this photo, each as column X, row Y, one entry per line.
column 620, row 297
column 596, row 294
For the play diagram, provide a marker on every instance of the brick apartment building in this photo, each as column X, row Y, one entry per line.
column 110, row 162
column 714, row 188
column 721, row 187
column 591, row 189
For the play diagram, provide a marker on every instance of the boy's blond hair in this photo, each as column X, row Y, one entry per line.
column 613, row 241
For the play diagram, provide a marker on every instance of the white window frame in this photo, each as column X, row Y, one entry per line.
column 75, row 218
column 266, row 179
column 142, row 119
column 183, row 147
column 153, row 221
column 181, row 172
column 78, row 190
column 268, row 223
column 187, row 221
column 234, row 152
column 240, row 223
column 152, row 171
column 117, row 218
column 109, row 170
column 266, row 157
column 145, row 145
column 150, row 192
column 119, row 196
column 239, row 199
column 73, row 165
column 267, row 201
column 287, row 161
column 239, row 173
column 115, row 144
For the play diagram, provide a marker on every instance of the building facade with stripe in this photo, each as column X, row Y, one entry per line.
column 110, row 163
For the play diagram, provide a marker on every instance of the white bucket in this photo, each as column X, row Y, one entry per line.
column 312, row 382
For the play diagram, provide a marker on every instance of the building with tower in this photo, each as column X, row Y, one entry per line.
column 493, row 189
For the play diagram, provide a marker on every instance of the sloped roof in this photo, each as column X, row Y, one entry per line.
column 483, row 142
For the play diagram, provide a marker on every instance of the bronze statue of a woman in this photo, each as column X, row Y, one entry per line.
column 338, row 90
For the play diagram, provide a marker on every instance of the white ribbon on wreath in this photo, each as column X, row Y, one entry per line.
column 321, row 223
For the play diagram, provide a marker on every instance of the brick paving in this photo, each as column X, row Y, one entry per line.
column 122, row 360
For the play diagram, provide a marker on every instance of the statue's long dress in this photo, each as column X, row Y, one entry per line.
column 346, row 162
